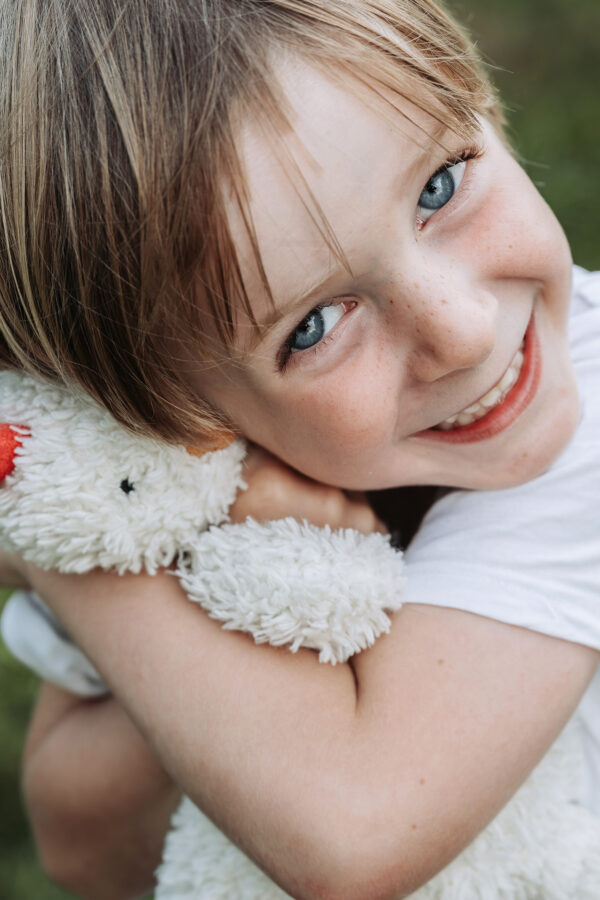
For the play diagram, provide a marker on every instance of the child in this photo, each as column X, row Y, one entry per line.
column 427, row 345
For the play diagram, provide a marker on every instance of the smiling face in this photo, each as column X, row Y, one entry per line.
column 450, row 294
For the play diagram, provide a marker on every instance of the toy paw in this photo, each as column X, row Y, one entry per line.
column 290, row 583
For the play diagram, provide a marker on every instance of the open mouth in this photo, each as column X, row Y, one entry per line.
column 502, row 404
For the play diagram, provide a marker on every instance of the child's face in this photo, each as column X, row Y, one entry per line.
column 351, row 383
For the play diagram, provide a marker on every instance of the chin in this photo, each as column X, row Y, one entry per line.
column 529, row 462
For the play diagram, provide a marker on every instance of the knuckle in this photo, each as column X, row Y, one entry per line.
column 334, row 507
column 363, row 519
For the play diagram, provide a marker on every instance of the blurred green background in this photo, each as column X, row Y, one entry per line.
column 545, row 59
column 20, row 877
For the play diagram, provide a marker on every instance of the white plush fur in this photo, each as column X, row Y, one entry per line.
column 327, row 590
column 284, row 582
column 63, row 505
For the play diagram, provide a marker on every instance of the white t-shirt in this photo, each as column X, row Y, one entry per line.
column 34, row 635
column 528, row 556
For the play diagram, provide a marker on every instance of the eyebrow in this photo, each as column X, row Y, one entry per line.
column 309, row 291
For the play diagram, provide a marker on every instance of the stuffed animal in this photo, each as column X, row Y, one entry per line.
column 78, row 491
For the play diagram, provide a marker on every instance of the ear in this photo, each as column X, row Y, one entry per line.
column 9, row 441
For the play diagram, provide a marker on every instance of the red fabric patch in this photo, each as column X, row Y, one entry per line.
column 9, row 441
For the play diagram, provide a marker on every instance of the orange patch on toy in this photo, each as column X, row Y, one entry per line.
column 220, row 440
column 9, row 441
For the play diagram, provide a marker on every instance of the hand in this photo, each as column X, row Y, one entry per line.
column 275, row 492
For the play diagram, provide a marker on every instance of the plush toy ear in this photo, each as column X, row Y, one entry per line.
column 9, row 441
column 219, row 440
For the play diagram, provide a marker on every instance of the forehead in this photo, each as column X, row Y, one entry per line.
column 315, row 187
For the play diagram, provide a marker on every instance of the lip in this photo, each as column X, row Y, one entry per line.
column 515, row 402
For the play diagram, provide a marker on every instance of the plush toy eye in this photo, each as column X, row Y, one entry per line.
column 9, row 441
column 126, row 486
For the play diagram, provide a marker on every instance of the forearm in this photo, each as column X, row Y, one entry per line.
column 386, row 785
column 236, row 721
column 98, row 800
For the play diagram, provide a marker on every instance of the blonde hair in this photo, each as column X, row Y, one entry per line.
column 119, row 122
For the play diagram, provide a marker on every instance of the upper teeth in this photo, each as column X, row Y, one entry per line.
column 494, row 397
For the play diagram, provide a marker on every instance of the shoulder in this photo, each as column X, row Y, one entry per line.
column 586, row 285
column 584, row 339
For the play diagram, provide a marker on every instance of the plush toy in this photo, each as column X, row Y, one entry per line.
column 77, row 491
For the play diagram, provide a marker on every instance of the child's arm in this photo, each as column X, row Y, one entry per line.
column 354, row 781
column 336, row 788
column 99, row 801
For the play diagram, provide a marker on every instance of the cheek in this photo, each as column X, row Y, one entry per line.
column 343, row 419
column 358, row 413
column 517, row 232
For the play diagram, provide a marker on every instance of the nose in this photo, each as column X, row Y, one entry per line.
column 451, row 325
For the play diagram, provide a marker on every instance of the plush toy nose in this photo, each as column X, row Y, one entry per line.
column 9, row 441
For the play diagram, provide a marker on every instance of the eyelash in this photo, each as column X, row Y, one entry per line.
column 469, row 153
column 465, row 155
column 285, row 354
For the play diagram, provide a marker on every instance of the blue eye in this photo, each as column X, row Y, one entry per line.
column 314, row 327
column 440, row 189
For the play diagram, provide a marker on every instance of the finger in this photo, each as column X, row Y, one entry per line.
column 361, row 517
column 255, row 459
